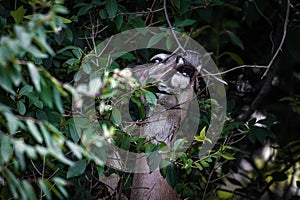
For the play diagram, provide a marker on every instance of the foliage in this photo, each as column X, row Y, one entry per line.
column 43, row 44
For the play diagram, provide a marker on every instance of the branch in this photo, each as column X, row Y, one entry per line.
column 286, row 22
column 235, row 68
column 171, row 27
column 271, row 71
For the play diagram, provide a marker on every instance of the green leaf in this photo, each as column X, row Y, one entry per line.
column 204, row 163
column 12, row 122
column 234, row 57
column 224, row 194
column 259, row 133
column 178, row 144
column 155, row 39
column 197, row 32
column 119, row 22
column 5, row 148
column 76, row 169
column 84, row 10
column 183, row 23
column 128, row 56
column 151, row 99
column 76, row 149
column 6, row 83
column 35, row 100
column 47, row 136
column 34, row 131
column 73, row 132
column 235, row 40
column 43, row 186
column 177, row 4
column 201, row 136
column 46, row 95
column 199, row 166
column 103, row 14
column 21, row 107
column 172, row 175
column 111, row 7
column 18, row 14
column 25, row 90
column 65, row 20
column 116, row 116
column 227, row 156
column 57, row 101
column 35, row 75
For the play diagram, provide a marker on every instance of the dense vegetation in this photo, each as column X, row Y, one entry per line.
column 43, row 45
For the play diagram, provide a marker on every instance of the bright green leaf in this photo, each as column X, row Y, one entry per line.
column 34, row 131
column 47, row 136
column 5, row 148
column 35, row 75
column 18, row 14
column 12, row 122
column 57, row 101
column 201, row 136
column 227, row 156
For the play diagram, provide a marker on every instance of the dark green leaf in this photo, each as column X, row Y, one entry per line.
column 183, row 23
column 25, row 90
column 119, row 22
column 235, row 40
column 111, row 7
column 172, row 175
column 84, row 10
column 21, row 107
column 234, row 57
column 76, row 169
column 73, row 132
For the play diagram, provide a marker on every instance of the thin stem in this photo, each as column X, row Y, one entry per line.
column 286, row 21
column 171, row 27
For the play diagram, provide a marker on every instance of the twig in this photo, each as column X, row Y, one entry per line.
column 286, row 21
column 238, row 67
column 273, row 69
column 171, row 27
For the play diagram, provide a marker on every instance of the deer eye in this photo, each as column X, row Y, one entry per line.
column 186, row 70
